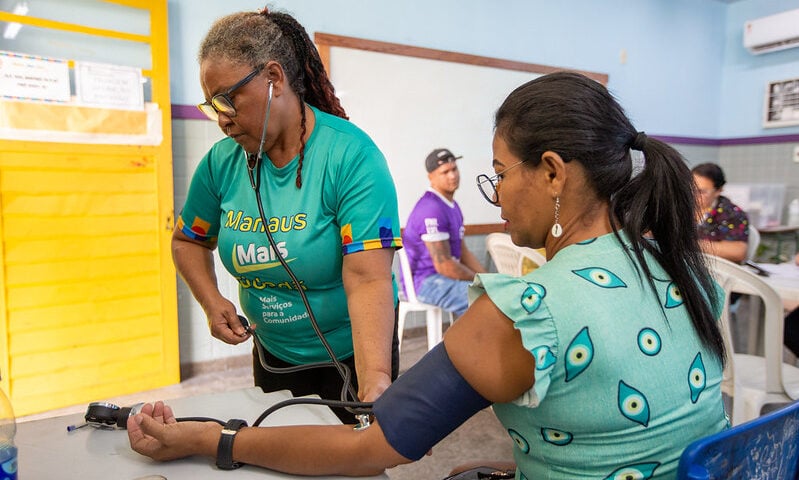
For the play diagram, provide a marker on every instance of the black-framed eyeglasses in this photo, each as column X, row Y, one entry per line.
column 488, row 185
column 222, row 103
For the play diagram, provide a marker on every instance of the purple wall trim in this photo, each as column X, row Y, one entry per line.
column 761, row 140
column 729, row 141
column 190, row 112
column 187, row 112
column 688, row 140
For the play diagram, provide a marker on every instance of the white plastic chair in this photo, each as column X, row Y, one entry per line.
column 434, row 315
column 754, row 381
column 509, row 257
column 752, row 243
column 754, row 303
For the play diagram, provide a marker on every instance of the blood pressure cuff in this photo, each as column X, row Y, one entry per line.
column 426, row 404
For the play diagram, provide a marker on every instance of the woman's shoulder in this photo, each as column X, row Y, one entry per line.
column 332, row 128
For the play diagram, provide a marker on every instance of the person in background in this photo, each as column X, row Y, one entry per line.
column 441, row 263
column 605, row 362
column 328, row 201
column 723, row 226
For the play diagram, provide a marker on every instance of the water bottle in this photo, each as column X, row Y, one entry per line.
column 793, row 212
column 8, row 451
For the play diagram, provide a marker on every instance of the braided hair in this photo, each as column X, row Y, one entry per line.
column 255, row 38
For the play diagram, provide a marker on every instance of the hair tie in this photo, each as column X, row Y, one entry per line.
column 264, row 11
column 639, row 142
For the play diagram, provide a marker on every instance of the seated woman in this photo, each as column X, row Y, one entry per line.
column 723, row 226
column 605, row 362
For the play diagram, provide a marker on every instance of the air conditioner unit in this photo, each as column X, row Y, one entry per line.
column 772, row 33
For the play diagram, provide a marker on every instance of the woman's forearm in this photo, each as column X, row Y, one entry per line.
column 317, row 450
column 302, row 450
column 195, row 265
column 370, row 300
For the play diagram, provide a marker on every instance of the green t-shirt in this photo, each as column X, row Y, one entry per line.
column 347, row 203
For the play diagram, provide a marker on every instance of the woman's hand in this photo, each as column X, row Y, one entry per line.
column 224, row 323
column 155, row 433
column 373, row 386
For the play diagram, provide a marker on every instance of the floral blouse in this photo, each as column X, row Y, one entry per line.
column 725, row 221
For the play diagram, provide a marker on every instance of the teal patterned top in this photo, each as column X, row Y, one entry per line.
column 622, row 382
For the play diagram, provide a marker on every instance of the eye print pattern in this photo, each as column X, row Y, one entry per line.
column 556, row 437
column 532, row 296
column 543, row 357
column 696, row 377
column 649, row 342
column 579, row 354
column 673, row 296
column 519, row 440
column 633, row 404
column 641, row 471
column 601, row 277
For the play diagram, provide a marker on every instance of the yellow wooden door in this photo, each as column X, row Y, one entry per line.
column 88, row 305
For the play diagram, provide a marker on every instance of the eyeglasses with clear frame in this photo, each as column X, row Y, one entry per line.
column 222, row 103
column 488, row 185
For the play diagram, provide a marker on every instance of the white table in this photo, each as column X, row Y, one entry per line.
column 47, row 451
column 784, row 278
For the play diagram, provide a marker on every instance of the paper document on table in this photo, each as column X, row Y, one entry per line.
column 786, row 269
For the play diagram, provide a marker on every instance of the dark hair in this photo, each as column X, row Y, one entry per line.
column 579, row 119
column 712, row 172
column 255, row 38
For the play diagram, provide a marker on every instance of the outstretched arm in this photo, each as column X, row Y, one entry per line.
column 299, row 450
column 502, row 371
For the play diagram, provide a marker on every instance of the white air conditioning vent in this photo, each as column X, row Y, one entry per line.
column 772, row 33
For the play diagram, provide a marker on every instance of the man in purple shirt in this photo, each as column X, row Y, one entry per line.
column 442, row 265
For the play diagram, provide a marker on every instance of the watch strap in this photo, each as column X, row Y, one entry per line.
column 224, row 450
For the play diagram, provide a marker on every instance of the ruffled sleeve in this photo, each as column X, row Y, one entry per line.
column 524, row 302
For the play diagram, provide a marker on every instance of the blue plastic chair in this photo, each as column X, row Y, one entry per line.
column 766, row 448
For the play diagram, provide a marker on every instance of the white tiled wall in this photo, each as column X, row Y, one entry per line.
column 190, row 140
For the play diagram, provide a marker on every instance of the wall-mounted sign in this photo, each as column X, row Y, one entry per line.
column 29, row 77
column 109, row 86
column 782, row 103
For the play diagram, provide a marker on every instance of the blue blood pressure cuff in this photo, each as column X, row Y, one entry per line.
column 426, row 404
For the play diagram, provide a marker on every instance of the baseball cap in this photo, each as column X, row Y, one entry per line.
column 439, row 157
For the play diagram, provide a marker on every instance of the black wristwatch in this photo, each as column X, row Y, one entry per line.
column 224, row 450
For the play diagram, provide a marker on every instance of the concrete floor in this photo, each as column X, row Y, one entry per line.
column 480, row 438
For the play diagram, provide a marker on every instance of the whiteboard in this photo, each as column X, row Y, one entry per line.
column 409, row 106
column 411, row 100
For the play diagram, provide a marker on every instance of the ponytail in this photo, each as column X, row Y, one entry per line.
column 659, row 203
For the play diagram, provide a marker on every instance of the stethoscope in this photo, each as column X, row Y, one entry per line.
column 361, row 410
